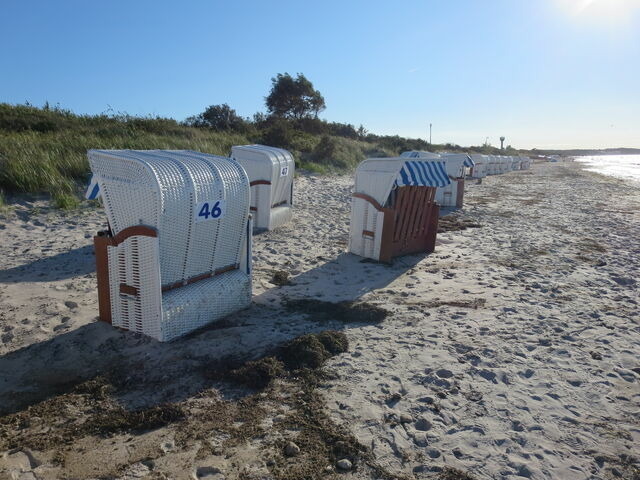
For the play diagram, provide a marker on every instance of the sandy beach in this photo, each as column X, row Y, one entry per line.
column 512, row 351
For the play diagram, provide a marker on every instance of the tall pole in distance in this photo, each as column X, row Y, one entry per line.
column 430, row 125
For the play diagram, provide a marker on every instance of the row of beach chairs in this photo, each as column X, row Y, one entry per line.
column 177, row 252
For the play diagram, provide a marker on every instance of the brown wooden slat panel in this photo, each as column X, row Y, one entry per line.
column 408, row 212
column 426, row 206
column 399, row 209
column 460, row 196
column 100, row 244
column 418, row 211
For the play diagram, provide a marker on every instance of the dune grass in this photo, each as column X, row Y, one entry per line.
column 44, row 150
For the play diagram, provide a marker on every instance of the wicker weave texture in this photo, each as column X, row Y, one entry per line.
column 165, row 189
column 447, row 196
column 161, row 189
column 365, row 218
column 134, row 263
column 276, row 167
column 194, row 306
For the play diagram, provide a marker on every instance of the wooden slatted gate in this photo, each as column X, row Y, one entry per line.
column 410, row 223
column 460, row 196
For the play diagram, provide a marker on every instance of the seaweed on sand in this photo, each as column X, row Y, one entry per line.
column 452, row 223
column 312, row 350
column 343, row 312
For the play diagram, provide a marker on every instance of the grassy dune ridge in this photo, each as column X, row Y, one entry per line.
column 43, row 150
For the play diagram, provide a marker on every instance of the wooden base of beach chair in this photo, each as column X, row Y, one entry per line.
column 460, row 193
column 411, row 224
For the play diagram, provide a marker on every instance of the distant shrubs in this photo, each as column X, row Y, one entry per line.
column 219, row 117
column 337, row 152
column 43, row 150
column 277, row 133
column 21, row 118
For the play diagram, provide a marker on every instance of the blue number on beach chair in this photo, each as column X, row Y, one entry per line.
column 204, row 211
column 216, row 211
column 208, row 211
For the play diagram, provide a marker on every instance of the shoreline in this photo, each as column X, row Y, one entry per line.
column 512, row 350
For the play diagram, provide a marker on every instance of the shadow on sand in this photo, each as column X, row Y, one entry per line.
column 77, row 262
column 147, row 372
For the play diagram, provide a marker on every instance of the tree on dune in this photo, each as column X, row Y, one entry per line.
column 294, row 97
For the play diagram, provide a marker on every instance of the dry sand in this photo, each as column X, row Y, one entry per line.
column 513, row 351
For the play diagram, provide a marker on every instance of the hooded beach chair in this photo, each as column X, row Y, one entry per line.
column 452, row 195
column 393, row 208
column 492, row 165
column 479, row 169
column 177, row 254
column 525, row 163
column 270, row 171
column 505, row 164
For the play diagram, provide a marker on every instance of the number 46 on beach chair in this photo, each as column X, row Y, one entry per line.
column 177, row 255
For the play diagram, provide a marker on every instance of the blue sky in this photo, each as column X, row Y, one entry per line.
column 544, row 73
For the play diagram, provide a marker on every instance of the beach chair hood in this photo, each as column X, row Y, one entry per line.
column 377, row 177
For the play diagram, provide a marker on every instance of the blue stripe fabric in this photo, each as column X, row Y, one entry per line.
column 410, row 168
column 93, row 190
column 422, row 176
column 415, row 173
column 468, row 162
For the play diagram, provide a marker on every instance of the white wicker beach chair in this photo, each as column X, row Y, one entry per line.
column 270, row 171
column 393, row 208
column 479, row 170
column 491, row 165
column 506, row 164
column 525, row 163
column 452, row 195
column 178, row 252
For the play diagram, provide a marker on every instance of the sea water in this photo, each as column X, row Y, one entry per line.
column 621, row 166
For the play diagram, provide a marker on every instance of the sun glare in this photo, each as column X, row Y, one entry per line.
column 612, row 10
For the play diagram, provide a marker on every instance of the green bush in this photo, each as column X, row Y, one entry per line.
column 337, row 152
column 279, row 133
